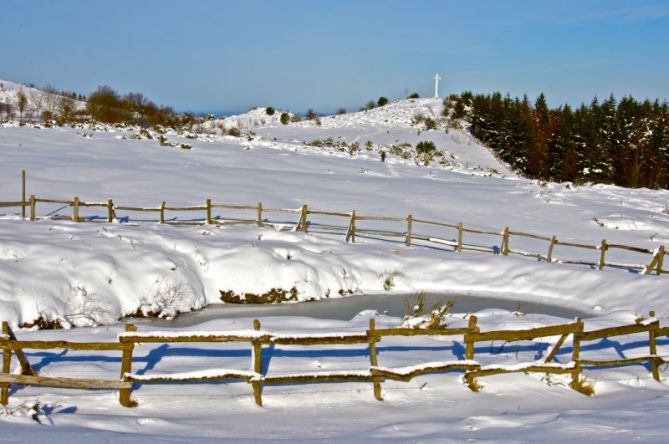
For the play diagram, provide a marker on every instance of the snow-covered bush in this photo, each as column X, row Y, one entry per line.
column 416, row 317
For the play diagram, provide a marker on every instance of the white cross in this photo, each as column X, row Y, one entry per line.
column 436, row 85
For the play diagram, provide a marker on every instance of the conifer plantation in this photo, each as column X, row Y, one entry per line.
column 622, row 142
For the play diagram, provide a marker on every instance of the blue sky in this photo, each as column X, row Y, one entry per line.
column 298, row 54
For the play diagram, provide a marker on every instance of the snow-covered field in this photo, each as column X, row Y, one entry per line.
column 94, row 273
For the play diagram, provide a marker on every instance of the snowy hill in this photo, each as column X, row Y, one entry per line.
column 388, row 128
column 38, row 100
column 254, row 118
column 400, row 113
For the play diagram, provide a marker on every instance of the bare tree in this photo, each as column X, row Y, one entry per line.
column 66, row 107
column 22, row 103
column 50, row 101
column 37, row 99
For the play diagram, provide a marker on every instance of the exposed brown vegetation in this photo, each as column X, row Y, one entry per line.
column 275, row 295
column 43, row 324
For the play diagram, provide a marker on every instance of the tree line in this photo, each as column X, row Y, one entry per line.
column 623, row 142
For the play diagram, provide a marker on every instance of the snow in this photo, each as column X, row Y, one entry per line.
column 36, row 99
column 89, row 275
column 337, row 335
column 201, row 374
column 249, row 120
column 407, row 370
column 525, row 365
column 332, row 374
column 250, row 334
column 431, row 408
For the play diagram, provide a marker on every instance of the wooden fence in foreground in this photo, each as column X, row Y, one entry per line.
column 354, row 226
column 376, row 374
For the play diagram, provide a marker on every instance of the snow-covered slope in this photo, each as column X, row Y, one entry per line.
column 125, row 267
column 37, row 100
column 397, row 114
column 254, row 118
column 380, row 129
column 92, row 273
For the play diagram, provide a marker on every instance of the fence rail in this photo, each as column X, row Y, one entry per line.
column 355, row 226
column 353, row 229
column 375, row 374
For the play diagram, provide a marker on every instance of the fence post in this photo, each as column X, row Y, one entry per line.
column 33, row 216
column 469, row 342
column 302, row 225
column 6, row 366
column 126, row 367
column 353, row 226
column 576, row 356
column 110, row 211
column 373, row 359
column 409, row 227
column 660, row 259
column 505, row 242
column 602, row 254
column 652, row 335
column 653, row 261
column 208, row 210
column 162, row 212
column 75, row 209
column 460, row 228
column 257, row 365
column 549, row 256
column 23, row 193
column 259, row 220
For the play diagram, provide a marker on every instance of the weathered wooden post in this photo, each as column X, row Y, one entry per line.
column 259, row 219
column 656, row 261
column 23, row 193
column 576, row 355
column 75, row 209
column 409, row 228
column 602, row 254
column 6, row 366
column 126, row 367
column 110, row 211
column 257, row 365
column 353, row 226
column 303, row 218
column 505, row 241
column 652, row 335
column 373, row 359
column 469, row 340
column 209, row 219
column 660, row 259
column 33, row 216
column 549, row 256
column 460, row 229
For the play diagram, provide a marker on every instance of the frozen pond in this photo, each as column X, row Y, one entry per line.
column 346, row 308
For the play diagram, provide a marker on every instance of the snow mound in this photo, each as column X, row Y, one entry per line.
column 400, row 113
column 254, row 118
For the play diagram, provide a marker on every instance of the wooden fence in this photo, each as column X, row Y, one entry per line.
column 355, row 226
column 375, row 375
